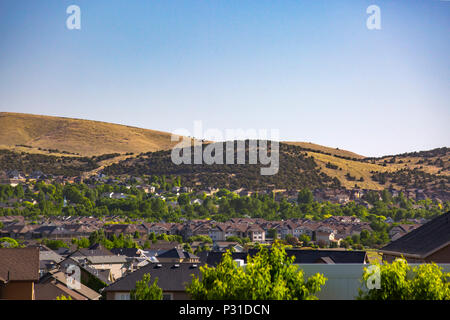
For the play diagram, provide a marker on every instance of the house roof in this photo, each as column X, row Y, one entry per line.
column 45, row 255
column 173, row 253
column 19, row 264
column 58, row 280
column 213, row 258
column 107, row 259
column 94, row 250
column 171, row 277
column 128, row 252
column 103, row 275
column 424, row 240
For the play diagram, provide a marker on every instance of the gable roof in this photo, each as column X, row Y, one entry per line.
column 423, row 241
column 173, row 253
column 171, row 277
column 19, row 264
column 128, row 252
column 49, row 284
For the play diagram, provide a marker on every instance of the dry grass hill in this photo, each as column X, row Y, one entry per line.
column 84, row 137
column 74, row 137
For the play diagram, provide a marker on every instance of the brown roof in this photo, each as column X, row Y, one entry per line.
column 19, row 264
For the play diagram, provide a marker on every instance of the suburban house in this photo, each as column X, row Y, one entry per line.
column 54, row 284
column 157, row 228
column 136, row 258
column 428, row 243
column 222, row 231
column 176, row 255
column 227, row 245
column 18, row 231
column 48, row 260
column 125, row 229
column 19, row 271
column 325, row 235
column 172, row 279
column 104, row 261
column 255, row 233
column 400, row 230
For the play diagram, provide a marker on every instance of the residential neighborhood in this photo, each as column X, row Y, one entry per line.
column 37, row 272
column 51, row 247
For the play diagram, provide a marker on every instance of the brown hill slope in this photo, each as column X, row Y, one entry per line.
column 84, row 137
column 332, row 151
column 72, row 137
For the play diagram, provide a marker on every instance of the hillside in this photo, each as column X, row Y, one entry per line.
column 136, row 151
column 26, row 132
column 296, row 170
column 325, row 150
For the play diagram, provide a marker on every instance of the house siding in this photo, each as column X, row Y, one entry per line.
column 17, row 290
column 440, row 256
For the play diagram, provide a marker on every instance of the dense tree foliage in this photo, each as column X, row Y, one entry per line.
column 269, row 275
column 296, row 170
column 49, row 164
column 399, row 281
column 145, row 290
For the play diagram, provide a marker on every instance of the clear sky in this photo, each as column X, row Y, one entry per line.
column 310, row 68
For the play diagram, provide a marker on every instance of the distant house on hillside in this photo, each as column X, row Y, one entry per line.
column 399, row 231
column 428, row 243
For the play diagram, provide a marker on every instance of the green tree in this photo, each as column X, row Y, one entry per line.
column 81, row 242
column 187, row 248
column 291, row 240
column 234, row 239
column 269, row 275
column 145, row 291
column 273, row 234
column 55, row 244
column 305, row 196
column 152, row 237
column 400, row 281
column 7, row 242
column 183, row 199
column 305, row 239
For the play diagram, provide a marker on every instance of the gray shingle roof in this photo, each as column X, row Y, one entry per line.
column 424, row 240
column 170, row 277
column 173, row 253
column 213, row 258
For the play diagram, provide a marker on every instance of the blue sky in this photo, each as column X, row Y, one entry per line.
column 309, row 68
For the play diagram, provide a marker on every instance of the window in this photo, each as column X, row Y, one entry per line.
column 122, row 296
column 167, row 296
